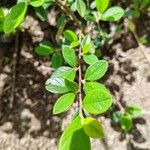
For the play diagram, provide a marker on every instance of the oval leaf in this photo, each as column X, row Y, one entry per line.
column 36, row 3
column 96, row 70
column 63, row 103
column 90, row 86
column 70, row 36
column 97, row 101
column 93, row 128
column 69, row 56
column 44, row 49
column 56, row 60
column 102, row 5
column 126, row 122
column 56, row 85
column 81, row 7
column 90, row 59
column 74, row 137
column 14, row 17
column 71, row 85
column 113, row 14
column 134, row 111
column 65, row 72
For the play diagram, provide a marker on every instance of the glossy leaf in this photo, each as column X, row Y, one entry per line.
column 97, row 101
column 69, row 56
column 65, row 72
column 63, row 103
column 134, row 111
column 71, row 85
column 102, row 5
column 126, row 122
column 90, row 59
column 36, row 3
column 90, row 86
column 113, row 14
column 2, row 15
column 44, row 49
column 15, row 17
column 93, row 128
column 81, row 7
column 96, row 70
column 56, row 60
column 56, row 85
column 74, row 137
column 70, row 36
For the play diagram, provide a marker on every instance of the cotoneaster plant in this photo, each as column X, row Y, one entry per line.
column 77, row 80
column 77, row 68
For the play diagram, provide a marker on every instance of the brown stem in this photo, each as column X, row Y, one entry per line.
column 68, row 11
column 80, row 78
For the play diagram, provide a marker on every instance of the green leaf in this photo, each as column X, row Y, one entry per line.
column 86, row 48
column 87, row 45
column 116, row 117
column 126, row 122
column 97, row 101
column 69, row 56
column 113, row 14
column 102, row 5
column 2, row 15
column 63, row 103
column 81, row 7
column 56, row 60
column 41, row 13
column 75, row 44
column 96, row 70
column 93, row 128
column 70, row 36
column 90, row 86
column 65, row 72
column 90, row 59
column 15, row 17
column 71, row 85
column 134, row 111
column 74, row 137
column 36, row 3
column 44, row 49
column 56, row 85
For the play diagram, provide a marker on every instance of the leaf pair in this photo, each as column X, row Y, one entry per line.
column 76, row 135
column 110, row 14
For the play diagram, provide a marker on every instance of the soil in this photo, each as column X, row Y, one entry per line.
column 26, row 120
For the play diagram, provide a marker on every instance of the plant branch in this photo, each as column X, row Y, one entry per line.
column 68, row 11
column 80, row 77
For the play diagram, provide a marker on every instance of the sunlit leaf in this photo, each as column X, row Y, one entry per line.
column 102, row 5
column 74, row 137
column 81, row 7
column 15, row 17
column 96, row 71
column 63, row 103
column 56, row 85
column 90, row 59
column 93, row 128
column 126, row 122
column 113, row 14
column 97, row 101
column 65, row 72
column 69, row 56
